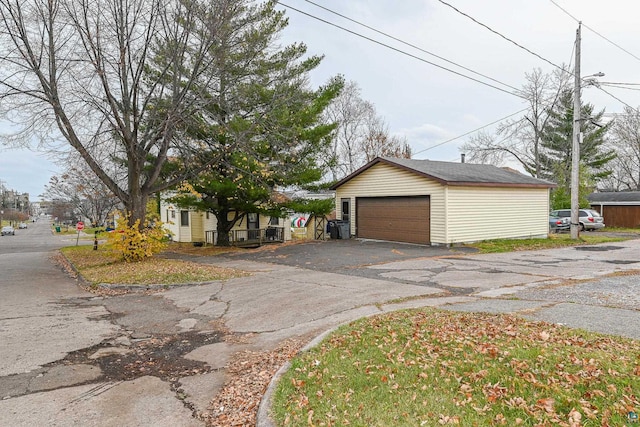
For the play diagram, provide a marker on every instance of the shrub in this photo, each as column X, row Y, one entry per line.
column 135, row 243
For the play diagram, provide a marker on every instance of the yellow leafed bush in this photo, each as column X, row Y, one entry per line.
column 136, row 244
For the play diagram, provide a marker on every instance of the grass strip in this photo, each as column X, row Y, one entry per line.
column 105, row 266
column 429, row 367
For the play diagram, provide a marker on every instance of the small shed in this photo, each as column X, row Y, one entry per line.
column 619, row 208
column 441, row 203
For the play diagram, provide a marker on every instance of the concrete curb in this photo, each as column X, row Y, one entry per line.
column 263, row 418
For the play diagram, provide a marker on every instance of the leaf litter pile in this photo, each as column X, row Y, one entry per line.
column 105, row 266
column 429, row 367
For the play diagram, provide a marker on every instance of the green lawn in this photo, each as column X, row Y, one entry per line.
column 554, row 241
column 429, row 368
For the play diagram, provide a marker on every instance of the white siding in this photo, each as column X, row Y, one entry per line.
column 479, row 213
column 383, row 180
column 211, row 223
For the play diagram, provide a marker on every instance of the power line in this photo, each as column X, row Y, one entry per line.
column 469, row 133
column 594, row 31
column 620, row 86
column 618, row 99
column 410, row 44
column 619, row 83
column 400, row 51
column 560, row 87
column 500, row 35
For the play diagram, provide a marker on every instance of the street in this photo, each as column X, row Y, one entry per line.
column 71, row 357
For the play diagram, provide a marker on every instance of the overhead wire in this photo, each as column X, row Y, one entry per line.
column 468, row 133
column 617, row 99
column 502, row 35
column 410, row 44
column 620, row 86
column 516, row 93
column 594, row 31
column 609, row 84
column 401, row 51
column 619, row 83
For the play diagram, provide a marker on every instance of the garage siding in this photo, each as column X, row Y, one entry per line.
column 402, row 219
column 382, row 180
column 477, row 213
column 619, row 215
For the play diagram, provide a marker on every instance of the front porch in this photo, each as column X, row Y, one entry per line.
column 248, row 238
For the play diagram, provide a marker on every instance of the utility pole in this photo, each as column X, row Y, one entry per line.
column 575, row 151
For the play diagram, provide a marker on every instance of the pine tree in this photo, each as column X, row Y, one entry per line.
column 261, row 128
column 557, row 146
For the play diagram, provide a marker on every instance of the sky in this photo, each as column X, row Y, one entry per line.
column 422, row 102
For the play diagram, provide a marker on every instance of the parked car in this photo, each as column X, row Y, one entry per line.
column 22, row 225
column 7, row 229
column 558, row 224
column 588, row 218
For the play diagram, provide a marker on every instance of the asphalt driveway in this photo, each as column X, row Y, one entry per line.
column 350, row 257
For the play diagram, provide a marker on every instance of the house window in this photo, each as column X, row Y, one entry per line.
column 274, row 220
column 252, row 221
column 184, row 218
column 173, row 214
column 346, row 209
column 207, row 214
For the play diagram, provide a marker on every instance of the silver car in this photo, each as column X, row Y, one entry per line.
column 588, row 218
column 8, row 230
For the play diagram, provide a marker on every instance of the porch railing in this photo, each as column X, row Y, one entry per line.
column 257, row 236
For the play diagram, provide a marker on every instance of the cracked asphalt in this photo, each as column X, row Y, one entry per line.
column 72, row 358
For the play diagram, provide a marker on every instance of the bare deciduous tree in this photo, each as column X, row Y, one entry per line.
column 625, row 140
column 520, row 139
column 79, row 186
column 377, row 141
column 106, row 77
column 360, row 134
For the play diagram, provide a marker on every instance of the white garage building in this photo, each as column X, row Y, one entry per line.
column 441, row 203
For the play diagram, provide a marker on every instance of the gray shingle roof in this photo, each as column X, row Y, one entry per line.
column 614, row 196
column 458, row 173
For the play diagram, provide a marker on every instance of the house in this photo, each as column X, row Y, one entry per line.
column 619, row 208
column 441, row 203
column 187, row 225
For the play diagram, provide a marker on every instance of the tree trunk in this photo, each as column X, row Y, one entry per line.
column 137, row 209
column 224, row 227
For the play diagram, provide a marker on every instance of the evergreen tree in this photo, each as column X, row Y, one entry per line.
column 261, row 128
column 557, row 147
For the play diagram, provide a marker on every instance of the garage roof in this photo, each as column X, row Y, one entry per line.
column 615, row 197
column 449, row 173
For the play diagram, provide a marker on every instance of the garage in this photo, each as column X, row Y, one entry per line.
column 402, row 219
column 441, row 203
column 619, row 208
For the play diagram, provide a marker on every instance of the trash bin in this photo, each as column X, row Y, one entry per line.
column 57, row 228
column 344, row 230
column 332, row 228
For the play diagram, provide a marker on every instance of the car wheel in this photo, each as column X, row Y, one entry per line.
column 581, row 227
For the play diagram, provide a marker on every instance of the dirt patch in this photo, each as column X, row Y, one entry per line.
column 161, row 356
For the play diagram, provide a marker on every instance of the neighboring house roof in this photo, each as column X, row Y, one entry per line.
column 278, row 197
column 459, row 174
column 615, row 197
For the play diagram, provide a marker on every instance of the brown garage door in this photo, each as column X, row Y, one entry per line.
column 399, row 219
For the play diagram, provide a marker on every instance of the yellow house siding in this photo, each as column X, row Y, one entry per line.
column 382, row 180
column 197, row 226
column 478, row 213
